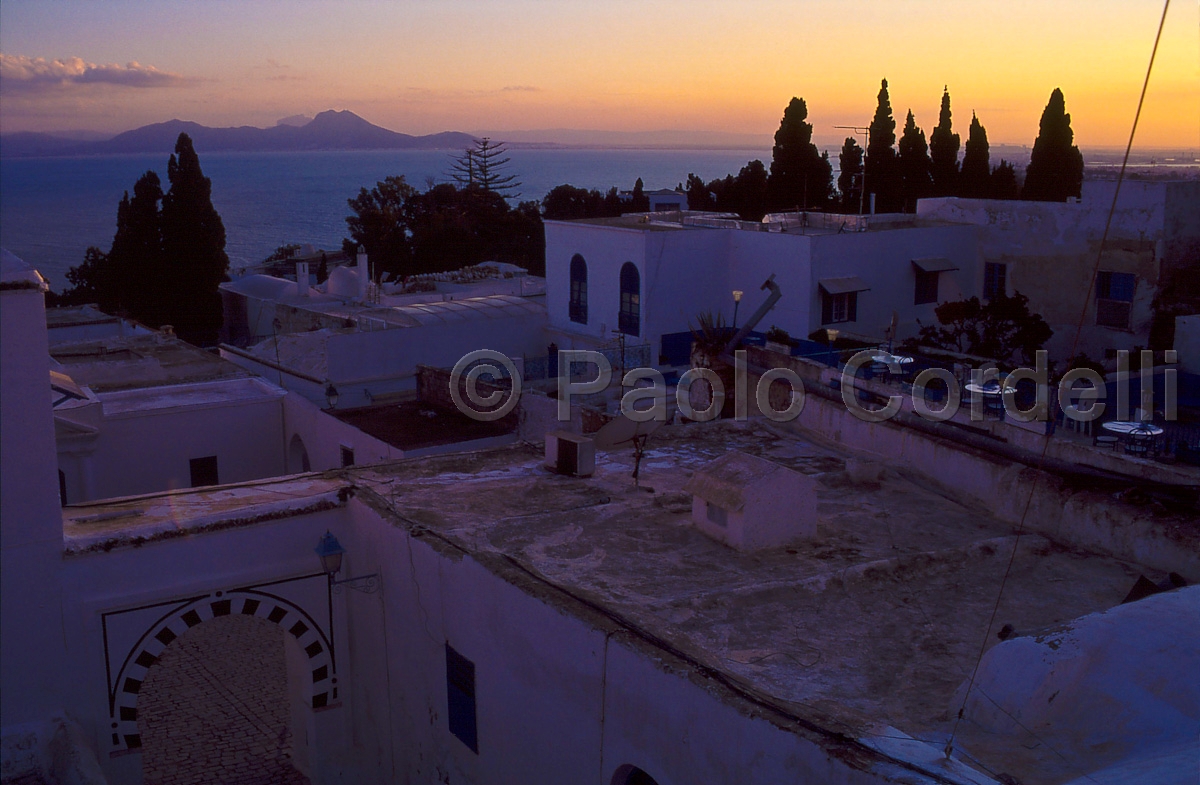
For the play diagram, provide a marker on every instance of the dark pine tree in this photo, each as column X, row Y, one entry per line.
column 639, row 202
column 914, row 164
column 943, row 152
column 882, row 176
column 137, row 282
column 1055, row 168
column 1004, row 182
column 193, row 247
column 698, row 194
column 850, row 164
column 974, row 181
column 379, row 224
column 800, row 177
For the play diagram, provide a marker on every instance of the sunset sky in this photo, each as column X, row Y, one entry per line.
column 424, row 66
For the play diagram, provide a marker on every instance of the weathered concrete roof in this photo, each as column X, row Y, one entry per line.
column 76, row 315
column 868, row 630
column 140, row 361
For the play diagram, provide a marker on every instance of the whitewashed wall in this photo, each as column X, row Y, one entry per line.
column 148, row 450
column 32, row 658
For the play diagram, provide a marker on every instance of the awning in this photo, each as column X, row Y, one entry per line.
column 63, row 388
column 843, row 285
column 934, row 264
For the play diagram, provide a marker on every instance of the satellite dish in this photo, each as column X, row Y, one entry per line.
column 623, row 430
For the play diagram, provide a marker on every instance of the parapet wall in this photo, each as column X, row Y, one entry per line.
column 1132, row 527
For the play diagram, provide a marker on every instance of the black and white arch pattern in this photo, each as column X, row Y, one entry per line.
column 248, row 602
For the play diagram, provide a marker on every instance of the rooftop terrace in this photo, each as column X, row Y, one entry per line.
column 867, row 629
column 140, row 361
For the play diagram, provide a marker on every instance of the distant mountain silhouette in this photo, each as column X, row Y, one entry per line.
column 329, row 130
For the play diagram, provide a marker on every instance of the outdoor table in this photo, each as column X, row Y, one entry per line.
column 1125, row 428
column 991, row 388
column 891, row 359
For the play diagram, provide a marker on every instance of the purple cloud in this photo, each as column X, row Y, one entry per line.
column 19, row 73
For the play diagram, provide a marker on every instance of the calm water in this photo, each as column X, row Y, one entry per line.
column 52, row 209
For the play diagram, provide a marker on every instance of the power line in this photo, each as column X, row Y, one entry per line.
column 1074, row 344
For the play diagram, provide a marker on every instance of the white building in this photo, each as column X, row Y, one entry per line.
column 366, row 341
column 1048, row 251
column 490, row 622
column 650, row 276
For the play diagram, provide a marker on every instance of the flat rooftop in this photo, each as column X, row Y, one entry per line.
column 805, row 222
column 412, row 425
column 140, row 361
column 868, row 630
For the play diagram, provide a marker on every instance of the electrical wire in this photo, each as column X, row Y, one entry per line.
column 1074, row 344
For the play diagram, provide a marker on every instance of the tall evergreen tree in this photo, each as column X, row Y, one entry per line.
column 137, row 282
column 485, row 165
column 800, row 176
column 882, row 176
column 974, row 179
column 1055, row 168
column 850, row 164
column 193, row 238
column 638, row 201
column 1003, row 183
column 914, row 164
column 943, row 152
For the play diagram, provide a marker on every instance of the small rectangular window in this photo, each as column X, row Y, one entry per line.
column 995, row 280
column 1114, row 299
column 460, row 696
column 347, row 456
column 927, row 288
column 1115, row 286
column 204, row 471
column 839, row 307
column 717, row 514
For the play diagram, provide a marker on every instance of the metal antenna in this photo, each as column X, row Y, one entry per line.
column 865, row 130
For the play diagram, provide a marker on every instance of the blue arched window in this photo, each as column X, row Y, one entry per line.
column 629, row 320
column 577, row 310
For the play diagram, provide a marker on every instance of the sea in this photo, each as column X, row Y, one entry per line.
column 52, row 209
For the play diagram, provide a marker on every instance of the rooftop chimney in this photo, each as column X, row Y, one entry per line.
column 302, row 279
column 363, row 276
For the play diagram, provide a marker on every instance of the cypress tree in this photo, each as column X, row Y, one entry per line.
column 136, row 282
column 882, row 179
column 850, row 163
column 974, row 179
column 799, row 177
column 943, row 152
column 639, row 202
column 1055, row 168
column 193, row 239
column 914, row 164
column 1003, row 183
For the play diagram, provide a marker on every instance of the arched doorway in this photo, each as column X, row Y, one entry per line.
column 298, row 455
column 225, row 702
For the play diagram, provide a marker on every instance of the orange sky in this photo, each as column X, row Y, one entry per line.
column 424, row 66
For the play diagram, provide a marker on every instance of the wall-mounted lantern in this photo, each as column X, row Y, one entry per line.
column 330, row 551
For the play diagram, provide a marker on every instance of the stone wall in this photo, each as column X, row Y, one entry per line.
column 433, row 388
